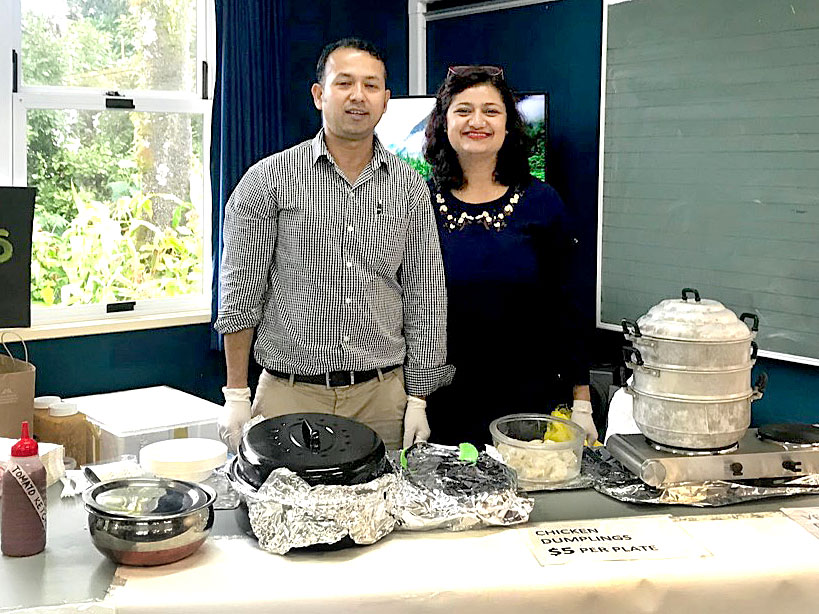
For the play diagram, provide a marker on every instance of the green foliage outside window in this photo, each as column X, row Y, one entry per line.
column 105, row 230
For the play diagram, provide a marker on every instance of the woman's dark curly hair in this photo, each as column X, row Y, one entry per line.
column 512, row 167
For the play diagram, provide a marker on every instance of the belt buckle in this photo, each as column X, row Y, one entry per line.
column 329, row 385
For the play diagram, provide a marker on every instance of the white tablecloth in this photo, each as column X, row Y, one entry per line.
column 761, row 563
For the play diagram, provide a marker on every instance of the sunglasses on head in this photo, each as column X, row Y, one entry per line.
column 461, row 71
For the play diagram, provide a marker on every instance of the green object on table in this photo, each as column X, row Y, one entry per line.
column 403, row 458
column 468, row 453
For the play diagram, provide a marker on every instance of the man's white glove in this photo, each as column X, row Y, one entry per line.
column 582, row 416
column 235, row 413
column 416, row 427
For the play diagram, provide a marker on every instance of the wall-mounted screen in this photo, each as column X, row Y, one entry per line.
column 401, row 129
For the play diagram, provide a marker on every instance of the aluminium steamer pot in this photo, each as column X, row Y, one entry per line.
column 697, row 424
column 692, row 362
column 701, row 334
column 689, row 383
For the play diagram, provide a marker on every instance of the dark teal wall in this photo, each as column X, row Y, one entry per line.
column 179, row 357
column 313, row 24
column 792, row 394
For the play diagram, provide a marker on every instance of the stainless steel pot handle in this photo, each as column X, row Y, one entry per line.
column 635, row 332
column 755, row 326
column 696, row 294
column 754, row 350
column 632, row 356
column 759, row 386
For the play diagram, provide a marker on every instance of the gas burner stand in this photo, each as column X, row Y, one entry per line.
column 752, row 458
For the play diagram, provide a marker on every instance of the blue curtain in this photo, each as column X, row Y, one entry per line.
column 247, row 103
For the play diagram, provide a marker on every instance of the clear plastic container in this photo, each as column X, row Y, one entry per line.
column 538, row 463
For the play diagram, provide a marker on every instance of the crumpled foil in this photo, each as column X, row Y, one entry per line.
column 611, row 478
column 437, row 490
column 286, row 512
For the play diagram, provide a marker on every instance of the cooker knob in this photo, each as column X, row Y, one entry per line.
column 736, row 468
column 795, row 466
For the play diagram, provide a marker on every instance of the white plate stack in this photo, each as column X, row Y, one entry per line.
column 192, row 459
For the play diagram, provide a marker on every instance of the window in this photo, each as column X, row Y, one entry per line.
column 110, row 121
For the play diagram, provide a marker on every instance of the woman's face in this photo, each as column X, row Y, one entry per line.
column 476, row 121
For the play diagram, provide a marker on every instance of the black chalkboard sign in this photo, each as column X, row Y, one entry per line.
column 16, row 218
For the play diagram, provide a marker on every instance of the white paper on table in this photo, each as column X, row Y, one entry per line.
column 611, row 539
column 806, row 517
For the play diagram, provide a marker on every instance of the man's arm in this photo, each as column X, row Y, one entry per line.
column 581, row 392
column 237, row 353
column 249, row 236
column 424, row 299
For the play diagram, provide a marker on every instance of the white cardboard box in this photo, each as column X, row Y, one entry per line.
column 130, row 419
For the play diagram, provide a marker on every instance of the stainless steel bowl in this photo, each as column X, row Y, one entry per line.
column 149, row 521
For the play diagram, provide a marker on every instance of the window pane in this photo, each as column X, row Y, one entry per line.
column 114, row 44
column 119, row 205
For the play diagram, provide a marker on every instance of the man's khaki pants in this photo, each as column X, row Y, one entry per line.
column 379, row 403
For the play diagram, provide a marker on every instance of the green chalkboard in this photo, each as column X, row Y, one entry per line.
column 711, row 162
column 16, row 218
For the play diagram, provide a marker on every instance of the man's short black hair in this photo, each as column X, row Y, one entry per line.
column 347, row 43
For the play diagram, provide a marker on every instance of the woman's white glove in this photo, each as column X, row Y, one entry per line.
column 235, row 413
column 416, row 427
column 582, row 416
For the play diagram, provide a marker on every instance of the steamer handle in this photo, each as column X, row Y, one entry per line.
column 685, row 292
column 754, row 350
column 635, row 332
column 633, row 356
column 755, row 325
column 761, row 383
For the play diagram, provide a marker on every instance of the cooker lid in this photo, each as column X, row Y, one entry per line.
column 691, row 318
column 320, row 448
column 147, row 498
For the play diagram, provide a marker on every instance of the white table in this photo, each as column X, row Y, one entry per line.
column 761, row 563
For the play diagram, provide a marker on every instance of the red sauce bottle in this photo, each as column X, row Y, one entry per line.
column 23, row 528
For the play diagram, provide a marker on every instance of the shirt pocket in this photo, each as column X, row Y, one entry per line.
column 387, row 241
column 387, row 220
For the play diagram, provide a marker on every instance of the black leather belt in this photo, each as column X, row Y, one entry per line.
column 334, row 379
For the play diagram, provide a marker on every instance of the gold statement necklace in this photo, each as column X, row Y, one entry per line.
column 455, row 218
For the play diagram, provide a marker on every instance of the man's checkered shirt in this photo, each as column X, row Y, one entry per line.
column 336, row 277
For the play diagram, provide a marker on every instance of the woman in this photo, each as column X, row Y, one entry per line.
column 512, row 328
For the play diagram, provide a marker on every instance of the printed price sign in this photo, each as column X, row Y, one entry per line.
column 807, row 517
column 619, row 539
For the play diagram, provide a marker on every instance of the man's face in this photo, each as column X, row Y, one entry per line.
column 353, row 96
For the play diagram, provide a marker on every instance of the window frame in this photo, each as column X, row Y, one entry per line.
column 60, row 321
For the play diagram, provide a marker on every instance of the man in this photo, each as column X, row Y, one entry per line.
column 332, row 256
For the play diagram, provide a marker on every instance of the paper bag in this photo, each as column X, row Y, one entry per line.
column 16, row 391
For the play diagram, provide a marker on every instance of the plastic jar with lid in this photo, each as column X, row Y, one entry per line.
column 65, row 425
